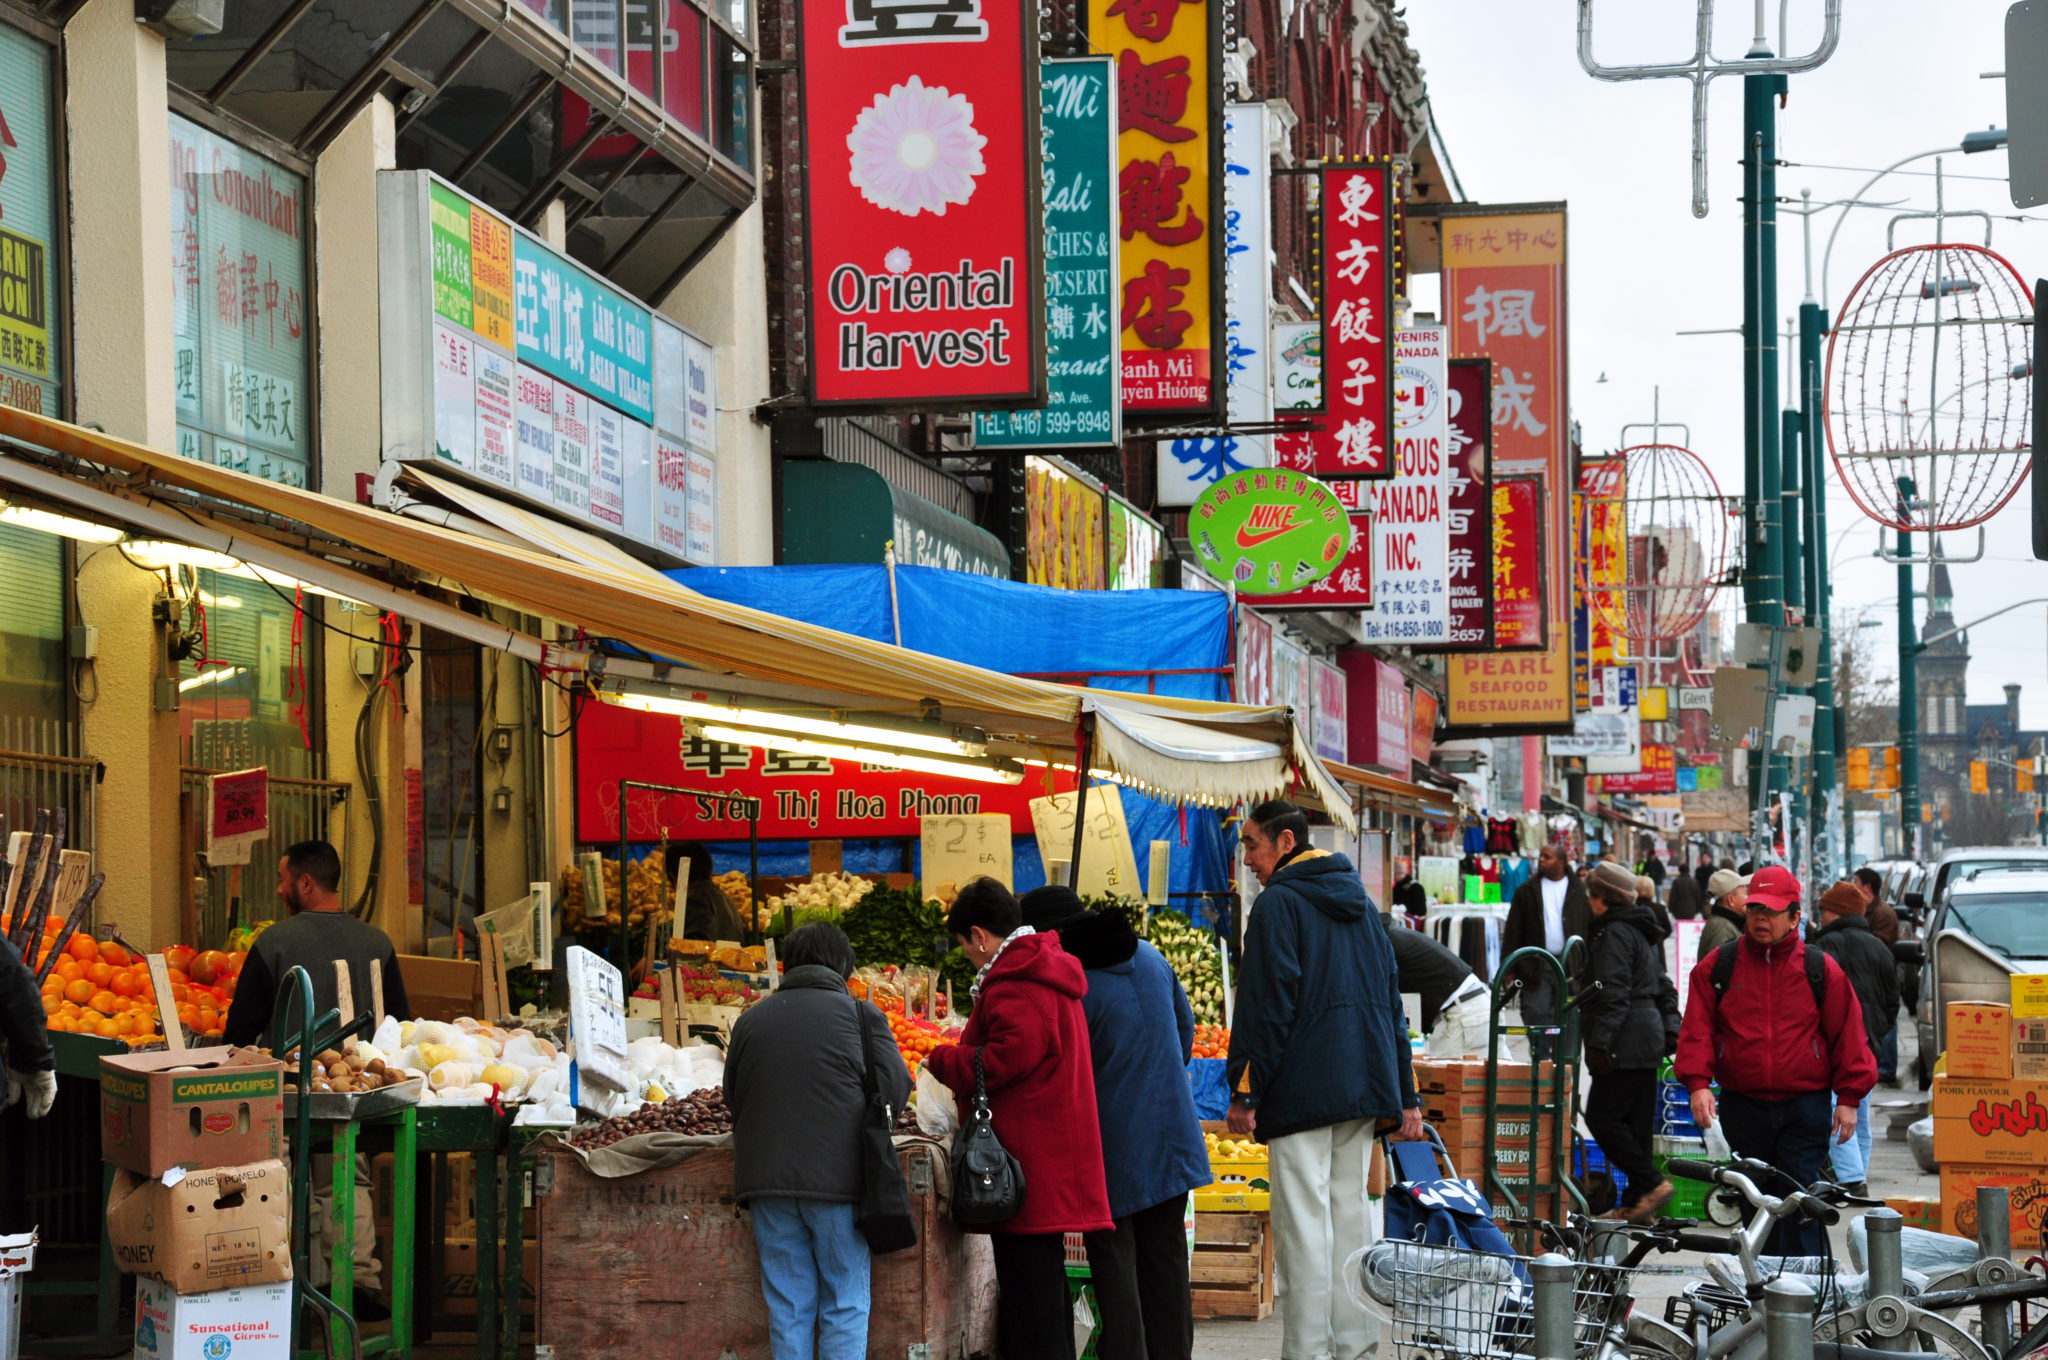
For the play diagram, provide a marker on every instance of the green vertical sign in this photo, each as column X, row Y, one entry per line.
column 1081, row 311
column 452, row 298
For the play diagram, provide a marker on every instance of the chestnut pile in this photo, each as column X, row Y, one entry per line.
column 701, row 1113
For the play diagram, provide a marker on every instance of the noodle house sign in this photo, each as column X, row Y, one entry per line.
column 926, row 224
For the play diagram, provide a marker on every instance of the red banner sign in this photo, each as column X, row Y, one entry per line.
column 1517, row 563
column 1470, row 503
column 921, row 178
column 799, row 797
column 1353, row 438
column 1658, row 775
column 1350, row 585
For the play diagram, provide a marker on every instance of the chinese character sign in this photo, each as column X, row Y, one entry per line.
column 1469, row 502
column 1297, row 365
column 1518, row 562
column 1254, row 680
column 1350, row 585
column 30, row 298
column 1504, row 298
column 1658, row 775
column 239, row 314
column 1167, row 199
column 1356, row 434
column 922, row 178
column 1271, row 532
column 1064, row 533
column 1410, row 529
column 1077, row 116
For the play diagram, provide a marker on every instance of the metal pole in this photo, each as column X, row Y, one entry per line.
column 1819, row 590
column 1762, row 576
column 1552, row 1275
column 1994, row 1242
column 1887, row 1271
column 1788, row 1320
column 1909, row 709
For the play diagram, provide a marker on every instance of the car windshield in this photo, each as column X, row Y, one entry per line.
column 1963, row 870
column 2012, row 924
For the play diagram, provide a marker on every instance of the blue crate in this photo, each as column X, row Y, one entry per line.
column 1587, row 1158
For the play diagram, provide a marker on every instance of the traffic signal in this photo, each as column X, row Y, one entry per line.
column 1891, row 767
column 1980, row 777
column 2023, row 780
column 1859, row 768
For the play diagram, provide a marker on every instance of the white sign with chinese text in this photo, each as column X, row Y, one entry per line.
column 1410, row 531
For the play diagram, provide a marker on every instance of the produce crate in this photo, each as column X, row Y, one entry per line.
column 1588, row 1160
column 669, row 1254
column 1242, row 1184
column 1232, row 1270
column 1077, row 1255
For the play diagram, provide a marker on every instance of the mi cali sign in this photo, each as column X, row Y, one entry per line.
column 924, row 224
column 1272, row 532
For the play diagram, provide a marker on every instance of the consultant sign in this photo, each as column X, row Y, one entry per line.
column 924, row 225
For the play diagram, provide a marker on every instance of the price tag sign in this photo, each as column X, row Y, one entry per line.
column 597, row 1019
column 237, row 814
column 956, row 849
column 1108, row 867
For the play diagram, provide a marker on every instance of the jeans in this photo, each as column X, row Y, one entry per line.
column 1794, row 1136
column 1622, row 1113
column 1888, row 1058
column 1318, row 1219
column 1851, row 1160
column 1140, row 1271
column 1033, row 1317
column 814, row 1277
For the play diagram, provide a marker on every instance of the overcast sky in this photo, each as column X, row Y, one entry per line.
column 1523, row 122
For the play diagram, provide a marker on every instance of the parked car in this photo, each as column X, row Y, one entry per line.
column 1984, row 917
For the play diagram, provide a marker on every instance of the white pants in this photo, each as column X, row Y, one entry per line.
column 1319, row 1218
column 1460, row 1030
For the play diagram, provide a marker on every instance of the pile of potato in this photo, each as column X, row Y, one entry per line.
column 347, row 1072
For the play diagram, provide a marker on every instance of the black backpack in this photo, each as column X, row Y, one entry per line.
column 1816, row 973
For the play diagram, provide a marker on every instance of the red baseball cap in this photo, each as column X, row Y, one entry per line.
column 1773, row 888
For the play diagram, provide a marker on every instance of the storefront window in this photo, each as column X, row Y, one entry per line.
column 243, row 695
column 238, row 255
column 31, row 625
column 735, row 77
column 30, row 345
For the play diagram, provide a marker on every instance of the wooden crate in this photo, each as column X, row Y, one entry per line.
column 669, row 1254
column 1232, row 1273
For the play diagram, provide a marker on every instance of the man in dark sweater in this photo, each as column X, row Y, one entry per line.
column 1455, row 1016
column 1547, row 912
column 316, row 934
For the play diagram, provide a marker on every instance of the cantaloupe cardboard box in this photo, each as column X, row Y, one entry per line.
column 202, row 1107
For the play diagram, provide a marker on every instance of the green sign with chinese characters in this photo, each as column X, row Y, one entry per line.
column 451, row 256
column 1270, row 531
column 29, row 291
column 1079, row 131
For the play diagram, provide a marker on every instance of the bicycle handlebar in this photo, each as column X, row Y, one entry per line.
column 1693, row 1169
column 1718, row 1244
column 1819, row 1210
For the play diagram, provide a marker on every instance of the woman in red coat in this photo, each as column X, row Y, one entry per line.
column 1033, row 1039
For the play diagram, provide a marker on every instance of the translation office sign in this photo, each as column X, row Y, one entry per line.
column 1083, row 409
column 1354, row 437
column 925, row 244
column 516, row 366
column 1410, row 533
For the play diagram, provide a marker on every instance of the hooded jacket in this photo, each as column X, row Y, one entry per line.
column 1722, row 926
column 1524, row 928
column 22, row 1022
column 1764, row 1039
column 1032, row 1035
column 1630, row 1009
column 1321, row 1037
column 1141, row 1032
column 1683, row 897
column 1852, row 942
column 793, row 1079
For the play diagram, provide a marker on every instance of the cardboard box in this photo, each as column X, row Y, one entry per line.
column 203, row 1107
column 1979, row 1039
column 1978, row 1122
column 458, row 1279
column 2030, row 1048
column 244, row 1324
column 2028, row 1187
column 219, row 1228
column 439, row 989
column 1918, row 1212
column 2029, row 996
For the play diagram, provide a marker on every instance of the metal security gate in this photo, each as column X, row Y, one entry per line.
column 302, row 807
column 42, row 766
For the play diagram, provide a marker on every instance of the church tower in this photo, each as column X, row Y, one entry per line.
column 1944, row 740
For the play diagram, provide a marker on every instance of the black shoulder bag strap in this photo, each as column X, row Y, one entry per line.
column 883, row 1217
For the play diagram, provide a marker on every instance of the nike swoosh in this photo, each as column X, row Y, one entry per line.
column 1252, row 538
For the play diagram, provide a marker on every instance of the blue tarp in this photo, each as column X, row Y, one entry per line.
column 1019, row 630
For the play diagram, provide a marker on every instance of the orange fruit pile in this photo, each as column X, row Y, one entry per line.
column 1212, row 1041
column 915, row 1038
column 97, row 987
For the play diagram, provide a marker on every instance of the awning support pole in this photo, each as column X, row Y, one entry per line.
column 1081, row 800
column 895, row 612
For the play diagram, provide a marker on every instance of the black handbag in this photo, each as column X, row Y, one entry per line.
column 884, row 1215
column 988, row 1183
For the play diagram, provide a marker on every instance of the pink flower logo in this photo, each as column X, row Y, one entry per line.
column 915, row 149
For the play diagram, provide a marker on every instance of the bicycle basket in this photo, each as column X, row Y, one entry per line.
column 1452, row 1303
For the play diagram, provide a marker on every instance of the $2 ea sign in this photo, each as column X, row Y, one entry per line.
column 1271, row 532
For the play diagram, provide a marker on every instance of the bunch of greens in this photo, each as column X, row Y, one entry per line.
column 894, row 925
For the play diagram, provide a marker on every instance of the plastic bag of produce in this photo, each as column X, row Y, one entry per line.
column 938, row 1115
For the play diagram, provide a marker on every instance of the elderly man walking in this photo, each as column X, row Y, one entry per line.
column 1319, row 1057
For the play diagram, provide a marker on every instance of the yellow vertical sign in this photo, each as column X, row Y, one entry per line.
column 490, row 262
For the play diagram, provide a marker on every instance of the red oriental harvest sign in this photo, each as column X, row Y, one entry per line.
column 1471, row 504
column 921, row 180
column 1169, row 199
column 799, row 797
column 1517, row 563
column 1352, row 436
column 1659, row 774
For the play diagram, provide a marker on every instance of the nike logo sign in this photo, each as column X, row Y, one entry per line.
column 1248, row 537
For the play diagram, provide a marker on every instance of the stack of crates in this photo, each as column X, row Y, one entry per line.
column 1081, row 1285
column 1587, row 1159
column 1678, row 1136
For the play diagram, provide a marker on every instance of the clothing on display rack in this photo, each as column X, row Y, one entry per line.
column 1533, row 832
column 1502, row 836
column 1475, row 838
column 1513, row 874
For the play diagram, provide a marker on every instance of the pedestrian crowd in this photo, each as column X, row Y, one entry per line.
column 1079, row 1036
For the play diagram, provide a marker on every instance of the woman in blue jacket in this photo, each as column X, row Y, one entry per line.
column 1141, row 1030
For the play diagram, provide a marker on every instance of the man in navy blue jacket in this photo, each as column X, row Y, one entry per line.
column 1319, row 1055
column 1141, row 1031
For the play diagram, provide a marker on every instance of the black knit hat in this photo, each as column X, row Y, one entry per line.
column 1051, row 906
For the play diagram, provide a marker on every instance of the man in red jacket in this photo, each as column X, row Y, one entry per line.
column 1792, row 1072
column 1032, row 1035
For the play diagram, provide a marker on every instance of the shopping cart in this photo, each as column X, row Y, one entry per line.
column 1453, row 1303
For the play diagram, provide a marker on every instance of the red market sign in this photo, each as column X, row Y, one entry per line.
column 1518, row 593
column 1353, row 438
column 798, row 797
column 1470, row 504
column 1658, row 775
column 241, row 804
column 924, row 225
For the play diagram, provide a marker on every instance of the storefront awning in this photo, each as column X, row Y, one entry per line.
column 1398, row 795
column 549, row 535
column 375, row 556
